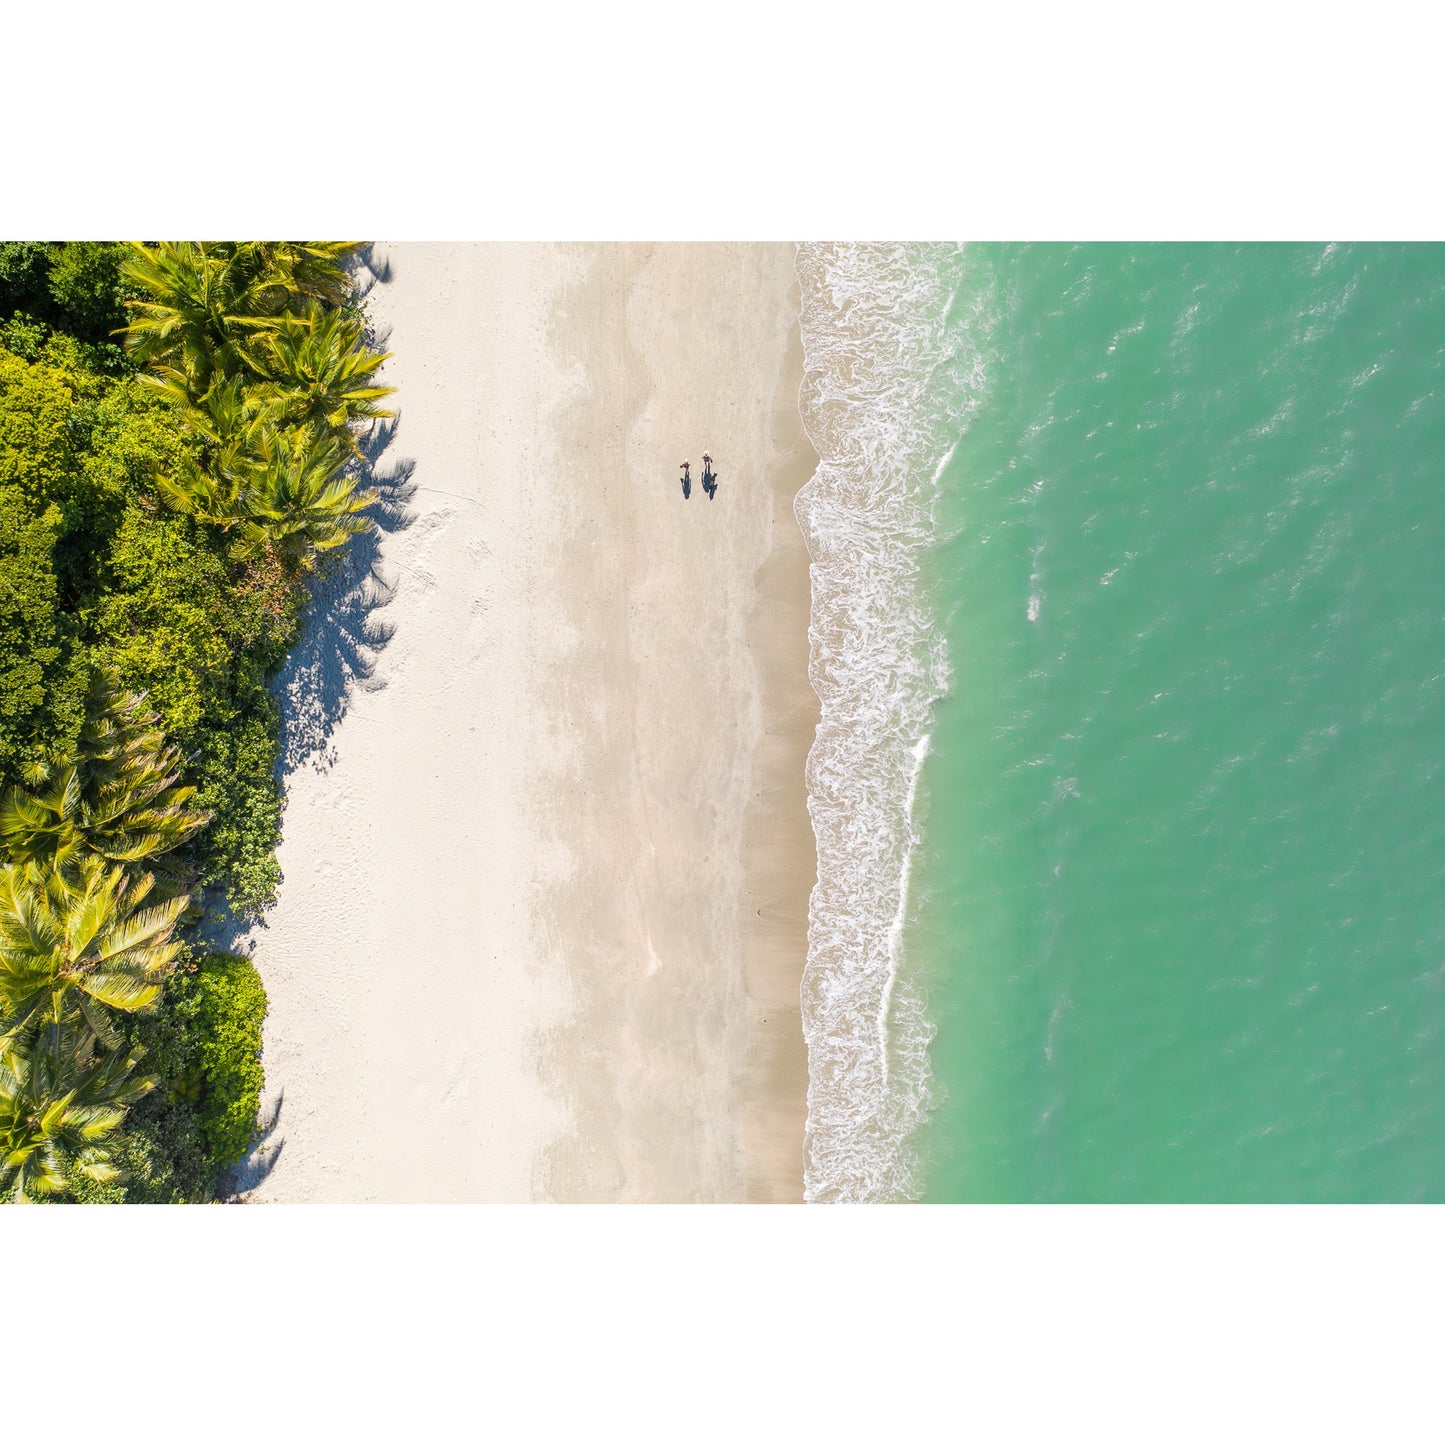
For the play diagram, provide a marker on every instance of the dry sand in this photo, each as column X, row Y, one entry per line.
column 547, row 855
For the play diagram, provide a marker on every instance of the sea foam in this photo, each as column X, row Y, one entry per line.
column 888, row 382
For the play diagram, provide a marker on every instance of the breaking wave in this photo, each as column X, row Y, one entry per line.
column 889, row 379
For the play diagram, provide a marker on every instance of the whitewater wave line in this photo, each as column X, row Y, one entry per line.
column 887, row 386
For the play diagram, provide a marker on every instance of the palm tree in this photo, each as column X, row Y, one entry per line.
column 319, row 363
column 204, row 297
column 192, row 329
column 285, row 490
column 221, row 313
column 231, row 420
column 60, row 1106
column 278, row 276
column 119, row 798
column 81, row 944
column 301, row 500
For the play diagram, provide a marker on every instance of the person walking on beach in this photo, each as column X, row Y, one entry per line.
column 686, row 481
column 709, row 477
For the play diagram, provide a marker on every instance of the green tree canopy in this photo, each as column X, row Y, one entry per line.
column 117, row 797
column 320, row 368
column 41, row 664
column 61, row 1104
column 69, row 945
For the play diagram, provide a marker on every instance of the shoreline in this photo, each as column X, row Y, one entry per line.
column 778, row 847
column 547, row 849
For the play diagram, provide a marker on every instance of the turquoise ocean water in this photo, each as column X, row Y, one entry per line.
column 1129, row 630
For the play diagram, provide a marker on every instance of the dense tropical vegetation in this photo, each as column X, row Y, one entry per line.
column 179, row 450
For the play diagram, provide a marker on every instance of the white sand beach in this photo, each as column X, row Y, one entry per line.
column 546, row 850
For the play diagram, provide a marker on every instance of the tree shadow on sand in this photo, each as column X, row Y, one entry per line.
column 340, row 645
column 344, row 634
column 370, row 267
column 337, row 653
column 260, row 1160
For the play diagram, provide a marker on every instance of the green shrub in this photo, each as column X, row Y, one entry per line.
column 24, row 276
column 163, row 1161
column 69, row 286
column 23, row 336
column 135, row 435
column 85, row 287
column 55, row 412
column 202, row 638
column 232, row 1005
column 203, row 1043
column 236, row 773
column 163, row 1151
column 161, row 621
column 36, row 454
column 42, row 674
